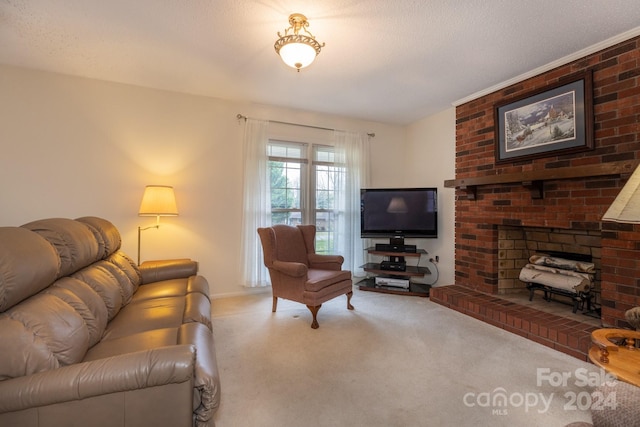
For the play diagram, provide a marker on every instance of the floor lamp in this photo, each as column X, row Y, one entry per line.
column 626, row 207
column 157, row 200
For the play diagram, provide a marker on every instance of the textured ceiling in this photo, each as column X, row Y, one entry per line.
column 388, row 61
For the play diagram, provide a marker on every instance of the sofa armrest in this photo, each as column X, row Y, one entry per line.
column 155, row 271
column 207, row 379
column 326, row 262
column 131, row 371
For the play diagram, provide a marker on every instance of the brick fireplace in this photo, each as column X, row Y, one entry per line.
column 571, row 207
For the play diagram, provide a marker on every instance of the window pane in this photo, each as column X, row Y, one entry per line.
column 286, row 179
column 293, row 198
column 278, row 198
column 323, row 154
column 289, row 184
column 290, row 150
column 328, row 178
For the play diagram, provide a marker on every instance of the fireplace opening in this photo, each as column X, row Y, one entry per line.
column 517, row 246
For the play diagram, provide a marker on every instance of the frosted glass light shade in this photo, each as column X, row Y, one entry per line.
column 297, row 55
column 626, row 207
column 158, row 200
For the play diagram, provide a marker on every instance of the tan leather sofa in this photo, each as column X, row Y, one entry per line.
column 87, row 338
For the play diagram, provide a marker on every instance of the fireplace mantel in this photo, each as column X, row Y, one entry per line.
column 534, row 180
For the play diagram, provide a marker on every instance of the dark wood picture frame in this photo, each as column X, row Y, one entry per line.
column 554, row 120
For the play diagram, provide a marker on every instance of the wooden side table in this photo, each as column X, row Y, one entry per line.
column 615, row 351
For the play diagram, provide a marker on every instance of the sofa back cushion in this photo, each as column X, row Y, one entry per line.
column 127, row 266
column 28, row 264
column 105, row 284
column 127, row 288
column 106, row 234
column 38, row 334
column 89, row 305
column 74, row 241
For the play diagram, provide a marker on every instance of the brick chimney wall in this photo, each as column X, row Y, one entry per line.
column 570, row 204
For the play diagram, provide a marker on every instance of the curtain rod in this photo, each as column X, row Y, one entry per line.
column 240, row 117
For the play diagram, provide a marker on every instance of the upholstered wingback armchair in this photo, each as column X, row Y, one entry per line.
column 298, row 273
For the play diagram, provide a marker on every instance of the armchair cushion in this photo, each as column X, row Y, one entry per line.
column 320, row 279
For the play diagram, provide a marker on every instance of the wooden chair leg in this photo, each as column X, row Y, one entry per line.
column 314, row 312
column 349, row 295
column 275, row 304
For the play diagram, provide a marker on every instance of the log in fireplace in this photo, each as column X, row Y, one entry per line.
column 559, row 273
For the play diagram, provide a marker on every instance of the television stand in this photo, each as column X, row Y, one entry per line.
column 397, row 278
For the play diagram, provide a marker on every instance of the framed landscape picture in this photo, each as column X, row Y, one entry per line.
column 557, row 119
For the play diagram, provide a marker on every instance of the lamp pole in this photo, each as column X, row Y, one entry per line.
column 140, row 231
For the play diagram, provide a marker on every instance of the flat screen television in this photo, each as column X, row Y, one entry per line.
column 399, row 212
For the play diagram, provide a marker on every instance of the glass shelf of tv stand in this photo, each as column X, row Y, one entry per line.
column 415, row 288
column 411, row 270
column 418, row 253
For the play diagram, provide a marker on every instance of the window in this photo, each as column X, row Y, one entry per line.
column 305, row 195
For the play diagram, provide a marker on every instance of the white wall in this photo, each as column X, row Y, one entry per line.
column 429, row 162
column 72, row 147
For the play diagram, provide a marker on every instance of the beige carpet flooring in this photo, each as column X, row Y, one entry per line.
column 393, row 361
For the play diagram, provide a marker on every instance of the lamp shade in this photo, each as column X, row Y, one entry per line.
column 626, row 207
column 158, row 200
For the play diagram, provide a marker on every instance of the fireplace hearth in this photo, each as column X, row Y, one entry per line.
column 544, row 322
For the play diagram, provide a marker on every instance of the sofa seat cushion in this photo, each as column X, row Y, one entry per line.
column 159, row 313
column 131, row 343
column 172, row 288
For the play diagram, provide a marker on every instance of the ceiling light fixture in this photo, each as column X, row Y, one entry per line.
column 297, row 50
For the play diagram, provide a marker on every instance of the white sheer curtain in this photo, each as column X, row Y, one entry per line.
column 352, row 151
column 257, row 201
